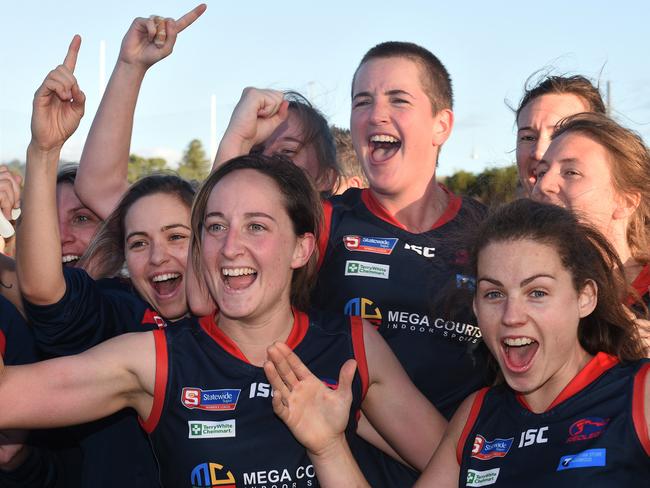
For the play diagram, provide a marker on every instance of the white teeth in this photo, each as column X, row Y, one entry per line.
column 237, row 271
column 519, row 341
column 383, row 138
column 68, row 258
column 165, row 277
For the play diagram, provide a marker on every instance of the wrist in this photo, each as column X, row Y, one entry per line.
column 333, row 451
column 135, row 70
column 37, row 151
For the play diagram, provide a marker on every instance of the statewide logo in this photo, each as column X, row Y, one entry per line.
column 484, row 449
column 200, row 429
column 482, row 478
column 368, row 270
column 587, row 428
column 364, row 308
column 212, row 475
column 209, row 399
column 376, row 245
column 584, row 459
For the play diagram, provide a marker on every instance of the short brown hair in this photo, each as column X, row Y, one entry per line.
column 434, row 77
column 630, row 167
column 302, row 203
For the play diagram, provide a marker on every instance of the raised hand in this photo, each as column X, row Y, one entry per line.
column 58, row 104
column 315, row 414
column 149, row 40
column 257, row 114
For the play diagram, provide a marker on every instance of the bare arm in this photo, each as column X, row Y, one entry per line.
column 257, row 114
column 443, row 469
column 417, row 435
column 57, row 110
column 70, row 390
column 102, row 177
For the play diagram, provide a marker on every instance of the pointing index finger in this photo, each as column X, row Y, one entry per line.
column 189, row 18
column 70, row 60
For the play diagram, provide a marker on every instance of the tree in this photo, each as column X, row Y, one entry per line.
column 139, row 166
column 195, row 164
column 461, row 182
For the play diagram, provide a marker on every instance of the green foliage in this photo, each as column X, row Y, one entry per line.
column 195, row 164
column 139, row 167
column 492, row 186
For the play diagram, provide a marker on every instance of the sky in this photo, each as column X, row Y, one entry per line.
column 489, row 48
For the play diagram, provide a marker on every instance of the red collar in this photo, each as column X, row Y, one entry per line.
column 210, row 326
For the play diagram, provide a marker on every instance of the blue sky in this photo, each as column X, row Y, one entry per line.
column 490, row 48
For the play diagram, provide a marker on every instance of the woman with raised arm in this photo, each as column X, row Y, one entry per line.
column 102, row 178
column 69, row 310
column 572, row 403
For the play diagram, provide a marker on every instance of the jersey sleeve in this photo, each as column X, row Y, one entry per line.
column 90, row 312
column 16, row 338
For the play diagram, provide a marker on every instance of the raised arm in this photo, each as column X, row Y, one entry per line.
column 257, row 114
column 316, row 415
column 70, row 390
column 417, row 435
column 57, row 110
column 102, row 176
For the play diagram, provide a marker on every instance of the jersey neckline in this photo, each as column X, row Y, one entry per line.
column 379, row 211
column 594, row 369
column 211, row 327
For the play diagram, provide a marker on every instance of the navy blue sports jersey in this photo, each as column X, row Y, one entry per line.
column 116, row 451
column 212, row 422
column 594, row 434
column 16, row 339
column 413, row 287
column 90, row 312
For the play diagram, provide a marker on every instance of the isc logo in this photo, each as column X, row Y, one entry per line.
column 260, row 390
column 427, row 252
column 533, row 436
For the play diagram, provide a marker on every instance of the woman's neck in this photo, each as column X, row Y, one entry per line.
column 416, row 212
column 254, row 335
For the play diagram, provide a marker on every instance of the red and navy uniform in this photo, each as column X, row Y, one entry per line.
column 116, row 451
column 594, row 433
column 212, row 422
column 409, row 286
column 49, row 463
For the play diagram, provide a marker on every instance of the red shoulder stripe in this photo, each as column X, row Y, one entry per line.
column 162, row 371
column 471, row 420
column 376, row 208
column 324, row 236
column 638, row 410
column 356, row 326
column 3, row 344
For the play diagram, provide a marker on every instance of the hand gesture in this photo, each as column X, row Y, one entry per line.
column 149, row 40
column 315, row 414
column 257, row 114
column 58, row 104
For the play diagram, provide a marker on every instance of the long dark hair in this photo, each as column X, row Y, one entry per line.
column 587, row 255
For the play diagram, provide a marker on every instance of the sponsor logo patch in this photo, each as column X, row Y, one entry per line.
column 209, row 399
column 587, row 428
column 484, row 449
column 584, row 459
column 200, row 429
column 365, row 308
column 376, row 245
column 482, row 478
column 212, row 475
column 368, row 270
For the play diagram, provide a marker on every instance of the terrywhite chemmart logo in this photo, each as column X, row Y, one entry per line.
column 369, row 270
column 482, row 478
column 208, row 430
